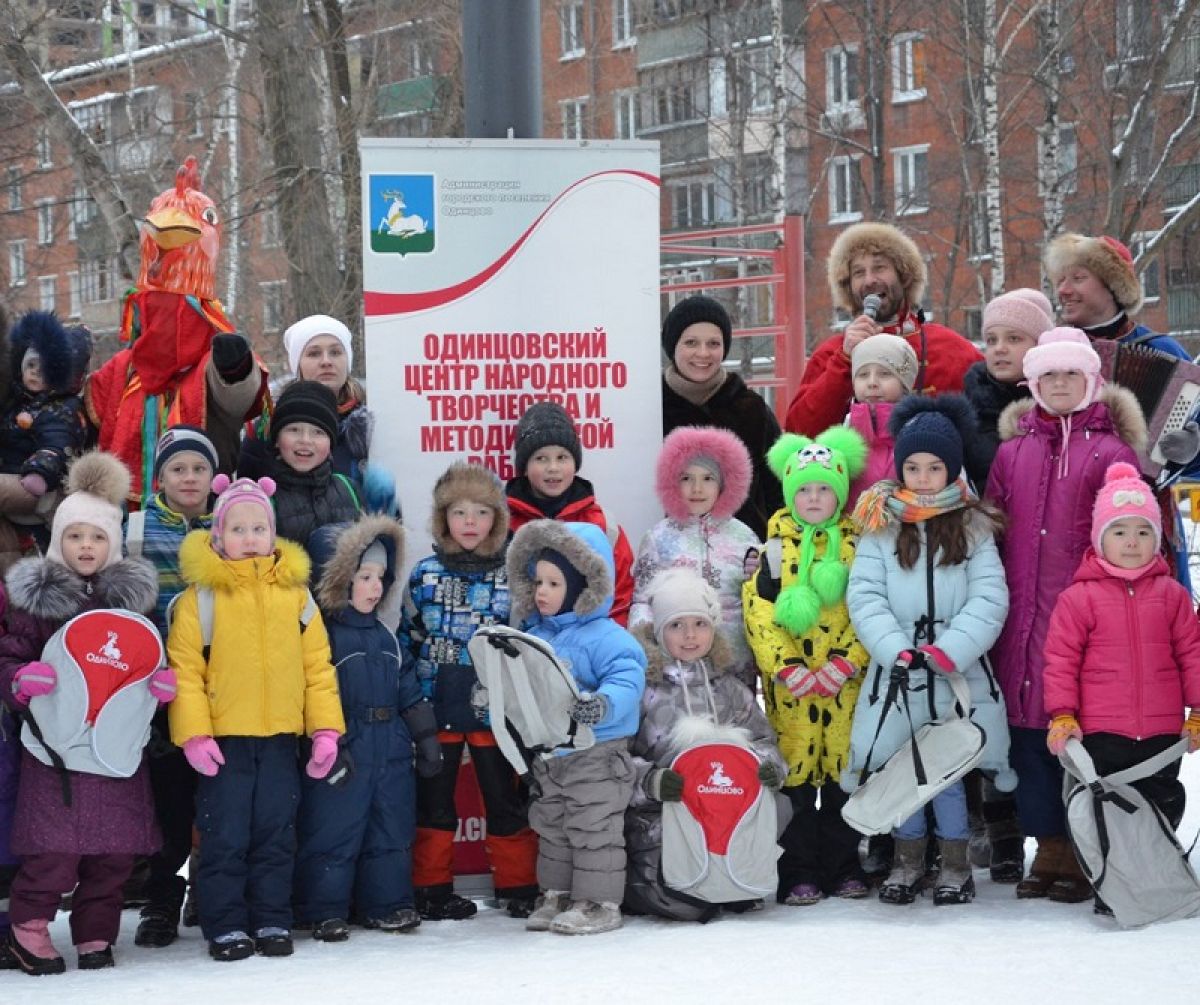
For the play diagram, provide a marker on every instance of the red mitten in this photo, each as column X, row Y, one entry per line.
column 798, row 679
column 832, row 677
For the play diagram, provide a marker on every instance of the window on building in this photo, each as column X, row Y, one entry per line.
column 74, row 298
column 16, row 263
column 81, row 211
column 570, row 23
column 692, row 203
column 272, row 234
column 1185, row 64
column 755, row 67
column 845, row 200
column 98, row 280
column 1067, row 179
column 272, row 305
column 46, row 292
column 45, row 221
column 1133, row 30
column 908, row 67
column 670, row 10
column 674, row 94
column 841, row 79
column 16, row 199
column 625, row 115
column 911, row 179
column 624, row 26
column 1151, row 275
column 981, row 234
column 193, row 115
column 574, row 119
column 973, row 324
column 94, row 118
column 45, row 156
column 758, row 189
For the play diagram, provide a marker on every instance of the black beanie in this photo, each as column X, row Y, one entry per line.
column 306, row 401
column 935, row 426
column 179, row 439
column 545, row 424
column 574, row 579
column 692, row 311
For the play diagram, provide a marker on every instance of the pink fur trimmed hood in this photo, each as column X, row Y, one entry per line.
column 684, row 444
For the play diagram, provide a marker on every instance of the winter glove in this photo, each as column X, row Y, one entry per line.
column 1180, row 446
column 933, row 658
column 1062, row 729
column 34, row 484
column 798, row 679
column 664, row 785
column 163, row 685
column 831, row 677
column 324, row 753
column 33, row 680
column 770, row 775
column 422, row 727
column 343, row 768
column 1191, row 729
column 204, row 755
column 589, row 709
column 231, row 356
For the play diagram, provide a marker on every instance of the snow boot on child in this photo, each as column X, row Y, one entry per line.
column 31, row 946
column 1007, row 863
column 586, row 917
column 955, row 884
column 549, row 906
column 907, row 877
column 441, row 903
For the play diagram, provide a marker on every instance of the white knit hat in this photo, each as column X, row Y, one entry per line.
column 97, row 485
column 678, row 593
column 307, row 329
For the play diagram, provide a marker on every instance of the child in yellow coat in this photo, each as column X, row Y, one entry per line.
column 809, row 658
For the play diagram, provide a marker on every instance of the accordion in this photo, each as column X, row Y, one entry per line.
column 1167, row 388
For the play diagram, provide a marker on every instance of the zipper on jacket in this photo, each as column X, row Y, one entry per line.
column 1131, row 617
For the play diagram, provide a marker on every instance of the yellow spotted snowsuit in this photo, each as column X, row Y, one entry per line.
column 814, row 732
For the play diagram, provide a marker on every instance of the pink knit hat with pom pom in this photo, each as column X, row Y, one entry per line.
column 1063, row 349
column 1124, row 494
column 244, row 490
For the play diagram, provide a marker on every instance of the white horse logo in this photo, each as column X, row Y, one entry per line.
column 396, row 224
column 718, row 776
column 110, row 648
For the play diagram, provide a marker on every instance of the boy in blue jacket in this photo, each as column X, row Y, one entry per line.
column 560, row 579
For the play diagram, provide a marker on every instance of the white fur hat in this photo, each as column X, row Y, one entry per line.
column 307, row 329
column 681, row 592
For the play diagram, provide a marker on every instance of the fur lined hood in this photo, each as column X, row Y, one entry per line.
column 876, row 239
column 200, row 565
column 718, row 661
column 681, row 447
column 338, row 553
column 64, row 352
column 584, row 545
column 1124, row 416
column 479, row 485
column 53, row 591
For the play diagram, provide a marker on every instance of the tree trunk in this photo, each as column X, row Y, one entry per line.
column 991, row 147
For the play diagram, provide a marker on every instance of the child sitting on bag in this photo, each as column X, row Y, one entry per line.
column 1123, row 648
column 927, row 598
column 809, row 657
column 884, row 369
column 560, row 576
column 692, row 696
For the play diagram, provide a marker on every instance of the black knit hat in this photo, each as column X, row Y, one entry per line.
column 937, row 426
column 692, row 311
column 306, row 401
column 179, row 439
column 545, row 424
column 574, row 580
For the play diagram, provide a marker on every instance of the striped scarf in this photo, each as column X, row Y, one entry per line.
column 887, row 502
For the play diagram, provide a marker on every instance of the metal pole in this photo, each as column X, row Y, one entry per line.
column 794, row 308
column 502, row 68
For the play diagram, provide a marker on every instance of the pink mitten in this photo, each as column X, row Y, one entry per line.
column 798, row 679
column 163, row 685
column 833, row 675
column 204, row 755
column 34, row 484
column 937, row 659
column 32, row 680
column 324, row 753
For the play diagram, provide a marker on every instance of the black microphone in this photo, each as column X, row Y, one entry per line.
column 871, row 304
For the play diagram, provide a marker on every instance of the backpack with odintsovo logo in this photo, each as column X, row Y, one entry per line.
column 1126, row 847
column 529, row 692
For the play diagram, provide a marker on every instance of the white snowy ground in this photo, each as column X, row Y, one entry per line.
column 995, row 950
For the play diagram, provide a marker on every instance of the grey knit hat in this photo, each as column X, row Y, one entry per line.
column 545, row 424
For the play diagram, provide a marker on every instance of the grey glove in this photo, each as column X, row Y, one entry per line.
column 1181, row 446
column 664, row 785
column 770, row 775
column 589, row 709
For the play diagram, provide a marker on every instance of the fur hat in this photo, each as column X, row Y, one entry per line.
column 244, row 490
column 1104, row 257
column 1063, row 349
column 97, row 484
column 64, row 352
column 875, row 239
column 584, row 546
column 337, row 551
column 1024, row 310
column 938, row 426
column 476, row 484
column 681, row 592
column 184, row 439
column 890, row 351
column 545, row 424
column 691, row 311
column 307, row 329
column 684, row 446
column 306, row 401
column 1124, row 494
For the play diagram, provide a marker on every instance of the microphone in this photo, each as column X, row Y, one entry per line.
column 871, row 304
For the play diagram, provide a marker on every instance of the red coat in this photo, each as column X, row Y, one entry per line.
column 580, row 507
column 1123, row 656
column 826, row 389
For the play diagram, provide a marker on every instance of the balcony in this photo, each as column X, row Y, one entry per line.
column 1183, row 309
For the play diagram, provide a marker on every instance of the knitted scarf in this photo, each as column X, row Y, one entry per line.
column 887, row 502
column 816, row 583
column 697, row 392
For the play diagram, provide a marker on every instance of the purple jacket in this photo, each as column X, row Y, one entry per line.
column 1048, row 502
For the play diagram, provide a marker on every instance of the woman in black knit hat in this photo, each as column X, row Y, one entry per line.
column 699, row 391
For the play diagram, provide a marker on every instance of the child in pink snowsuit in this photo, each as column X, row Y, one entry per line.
column 884, row 368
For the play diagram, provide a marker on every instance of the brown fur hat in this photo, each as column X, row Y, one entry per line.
column 478, row 485
column 1106, row 258
column 875, row 239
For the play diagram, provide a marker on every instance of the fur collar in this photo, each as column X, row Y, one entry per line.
column 52, row 591
column 680, row 447
column 337, row 575
column 200, row 565
column 1124, row 412
column 579, row 544
column 718, row 661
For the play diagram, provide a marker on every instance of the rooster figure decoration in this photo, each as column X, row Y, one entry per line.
column 184, row 362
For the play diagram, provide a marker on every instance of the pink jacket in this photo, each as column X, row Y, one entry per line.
column 871, row 422
column 1048, row 504
column 1123, row 656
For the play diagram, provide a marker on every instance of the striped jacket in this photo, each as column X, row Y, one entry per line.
column 162, row 537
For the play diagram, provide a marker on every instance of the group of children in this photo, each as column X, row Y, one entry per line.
column 1004, row 538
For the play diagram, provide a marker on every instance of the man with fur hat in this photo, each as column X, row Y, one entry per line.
column 876, row 258
column 451, row 594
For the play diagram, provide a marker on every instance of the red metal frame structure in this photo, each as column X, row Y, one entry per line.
column 786, row 274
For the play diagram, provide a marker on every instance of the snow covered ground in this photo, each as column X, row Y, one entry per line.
column 995, row 950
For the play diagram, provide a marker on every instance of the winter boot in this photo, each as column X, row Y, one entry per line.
column 955, row 883
column 273, row 941
column 95, row 956
column 1007, row 862
column 1071, row 886
column 403, row 919
column 549, row 906
column 877, row 862
column 586, row 917
column 160, row 918
column 436, row 903
column 1045, row 868
column 35, row 953
column 520, row 907
column 331, row 930
column 907, row 877
column 804, row 895
column 231, row 946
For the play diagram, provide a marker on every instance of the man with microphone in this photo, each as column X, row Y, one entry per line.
column 876, row 273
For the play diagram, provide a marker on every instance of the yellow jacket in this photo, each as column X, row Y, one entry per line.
column 814, row 732
column 265, row 674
